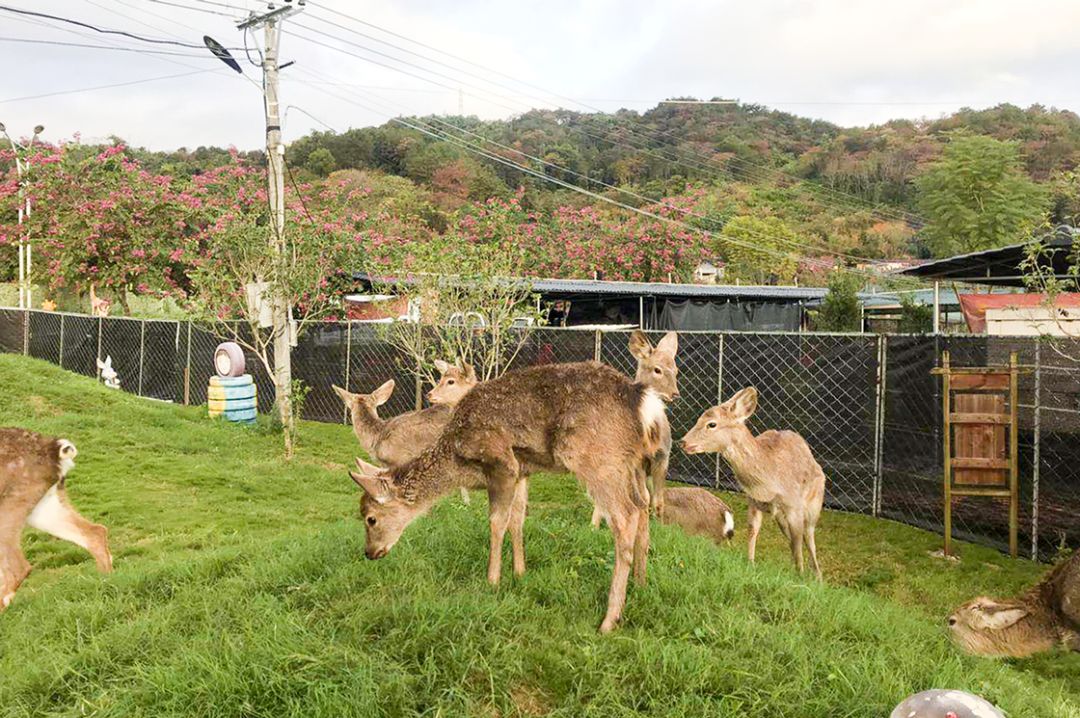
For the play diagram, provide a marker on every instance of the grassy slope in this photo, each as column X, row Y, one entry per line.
column 241, row 589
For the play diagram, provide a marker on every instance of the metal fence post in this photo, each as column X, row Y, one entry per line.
column 879, row 423
column 142, row 351
column 60, row 361
column 348, row 363
column 719, row 398
column 100, row 329
column 597, row 345
column 419, row 371
column 1036, row 459
column 187, row 367
column 26, row 333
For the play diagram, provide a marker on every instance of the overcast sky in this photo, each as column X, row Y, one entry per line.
column 848, row 61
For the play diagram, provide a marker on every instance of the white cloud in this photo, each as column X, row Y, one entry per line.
column 838, row 57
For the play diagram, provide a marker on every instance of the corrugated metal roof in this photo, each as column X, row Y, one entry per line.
column 1000, row 266
column 659, row 289
column 663, row 289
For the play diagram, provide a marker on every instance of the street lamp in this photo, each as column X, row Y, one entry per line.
column 25, row 255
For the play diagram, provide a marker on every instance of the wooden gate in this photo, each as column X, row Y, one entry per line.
column 979, row 407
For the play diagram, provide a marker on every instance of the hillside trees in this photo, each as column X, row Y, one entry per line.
column 977, row 197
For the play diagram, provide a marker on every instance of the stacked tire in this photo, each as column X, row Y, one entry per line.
column 231, row 393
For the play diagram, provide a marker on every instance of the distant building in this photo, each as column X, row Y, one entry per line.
column 709, row 272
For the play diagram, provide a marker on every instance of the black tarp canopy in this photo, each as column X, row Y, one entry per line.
column 1001, row 266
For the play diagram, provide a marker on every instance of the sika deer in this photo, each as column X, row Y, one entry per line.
column 586, row 418
column 395, row 441
column 1046, row 616
column 656, row 370
column 32, row 493
column 699, row 512
column 776, row 470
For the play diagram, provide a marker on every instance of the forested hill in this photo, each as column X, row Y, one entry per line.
column 675, row 142
column 781, row 196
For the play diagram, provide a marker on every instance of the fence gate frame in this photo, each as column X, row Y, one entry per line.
column 988, row 381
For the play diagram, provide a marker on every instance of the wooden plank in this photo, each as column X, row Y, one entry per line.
column 945, row 394
column 979, row 441
column 1014, row 458
column 978, row 418
column 980, row 491
column 974, row 462
column 980, row 382
column 960, row 371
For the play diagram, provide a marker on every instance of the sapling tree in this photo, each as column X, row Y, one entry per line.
column 469, row 300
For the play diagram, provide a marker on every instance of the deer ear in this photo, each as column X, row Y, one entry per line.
column 995, row 618
column 382, row 394
column 669, row 344
column 441, row 366
column 373, row 485
column 743, row 404
column 469, row 371
column 346, row 397
column 640, row 346
column 366, row 468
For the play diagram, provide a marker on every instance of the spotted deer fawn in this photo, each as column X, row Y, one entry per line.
column 585, row 418
column 775, row 469
column 656, row 370
column 393, row 442
column 33, row 470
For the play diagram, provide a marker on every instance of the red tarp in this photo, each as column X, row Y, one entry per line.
column 974, row 306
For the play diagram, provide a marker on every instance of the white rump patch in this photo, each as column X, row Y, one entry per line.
column 652, row 410
column 54, row 518
column 67, row 455
column 729, row 523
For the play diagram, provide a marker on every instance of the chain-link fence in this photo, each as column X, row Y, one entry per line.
column 867, row 404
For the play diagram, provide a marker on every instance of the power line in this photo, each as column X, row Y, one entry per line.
column 104, row 31
column 105, row 47
column 705, row 163
column 659, row 202
column 106, row 87
column 423, row 128
column 195, row 9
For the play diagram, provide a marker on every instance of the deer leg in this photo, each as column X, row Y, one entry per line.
column 624, row 529
column 14, row 567
column 55, row 515
column 465, row 498
column 658, row 468
column 596, row 517
column 794, row 534
column 641, row 538
column 809, row 537
column 517, row 524
column 754, row 517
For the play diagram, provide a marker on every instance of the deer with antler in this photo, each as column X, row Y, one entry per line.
column 33, row 472
column 585, row 418
column 776, row 470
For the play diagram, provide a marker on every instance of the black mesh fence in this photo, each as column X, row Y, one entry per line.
column 867, row 404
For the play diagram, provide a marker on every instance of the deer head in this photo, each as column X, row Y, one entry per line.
column 656, row 365
column 721, row 426
column 455, row 381
column 370, row 401
column 988, row 627
column 385, row 511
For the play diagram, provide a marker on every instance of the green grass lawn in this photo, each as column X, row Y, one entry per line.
column 241, row 590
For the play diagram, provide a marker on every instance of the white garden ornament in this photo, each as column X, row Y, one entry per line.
column 108, row 374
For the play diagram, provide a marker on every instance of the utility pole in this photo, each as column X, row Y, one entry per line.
column 25, row 255
column 275, row 173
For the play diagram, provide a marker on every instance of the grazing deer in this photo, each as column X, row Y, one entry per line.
column 656, row 370
column 699, row 512
column 1046, row 616
column 32, row 493
column 585, row 418
column 395, row 441
column 775, row 469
